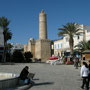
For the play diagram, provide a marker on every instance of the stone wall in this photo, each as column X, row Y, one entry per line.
column 11, row 80
column 25, row 47
column 43, row 49
column 38, row 49
column 33, row 50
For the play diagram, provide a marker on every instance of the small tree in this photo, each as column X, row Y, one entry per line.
column 9, row 46
column 17, row 56
column 28, row 56
column 8, row 54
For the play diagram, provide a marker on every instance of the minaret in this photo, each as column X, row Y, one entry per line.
column 43, row 45
column 42, row 25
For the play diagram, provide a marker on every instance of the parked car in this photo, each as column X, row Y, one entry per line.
column 53, row 58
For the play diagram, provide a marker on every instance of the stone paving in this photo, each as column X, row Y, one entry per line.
column 49, row 77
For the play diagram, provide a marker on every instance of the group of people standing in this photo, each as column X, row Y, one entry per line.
column 85, row 74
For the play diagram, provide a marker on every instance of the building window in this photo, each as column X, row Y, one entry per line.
column 61, row 45
column 55, row 46
column 58, row 45
column 81, row 34
column 78, row 37
column 67, row 39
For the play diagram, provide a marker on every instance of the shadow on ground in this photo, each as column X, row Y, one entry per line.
column 26, row 87
column 35, row 79
column 43, row 83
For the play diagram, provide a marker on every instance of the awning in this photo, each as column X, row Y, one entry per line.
column 86, row 52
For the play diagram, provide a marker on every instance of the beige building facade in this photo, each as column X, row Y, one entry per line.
column 41, row 49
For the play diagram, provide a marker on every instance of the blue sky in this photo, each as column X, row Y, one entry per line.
column 24, row 16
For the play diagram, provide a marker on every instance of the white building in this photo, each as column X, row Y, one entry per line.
column 17, row 46
column 62, row 45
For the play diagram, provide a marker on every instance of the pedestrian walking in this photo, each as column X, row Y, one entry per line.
column 89, row 73
column 76, row 63
column 84, row 75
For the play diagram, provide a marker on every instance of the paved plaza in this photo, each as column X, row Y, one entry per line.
column 49, row 77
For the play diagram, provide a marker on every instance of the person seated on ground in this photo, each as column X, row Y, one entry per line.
column 26, row 76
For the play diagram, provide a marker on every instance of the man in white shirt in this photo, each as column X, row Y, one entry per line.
column 84, row 74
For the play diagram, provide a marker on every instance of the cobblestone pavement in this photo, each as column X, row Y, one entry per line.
column 49, row 77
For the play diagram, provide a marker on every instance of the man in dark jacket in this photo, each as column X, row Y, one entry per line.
column 24, row 73
column 26, row 76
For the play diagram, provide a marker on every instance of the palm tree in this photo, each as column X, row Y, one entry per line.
column 4, row 22
column 84, row 45
column 70, row 29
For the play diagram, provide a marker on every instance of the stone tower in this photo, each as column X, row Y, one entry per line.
column 43, row 45
column 42, row 25
column 41, row 48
